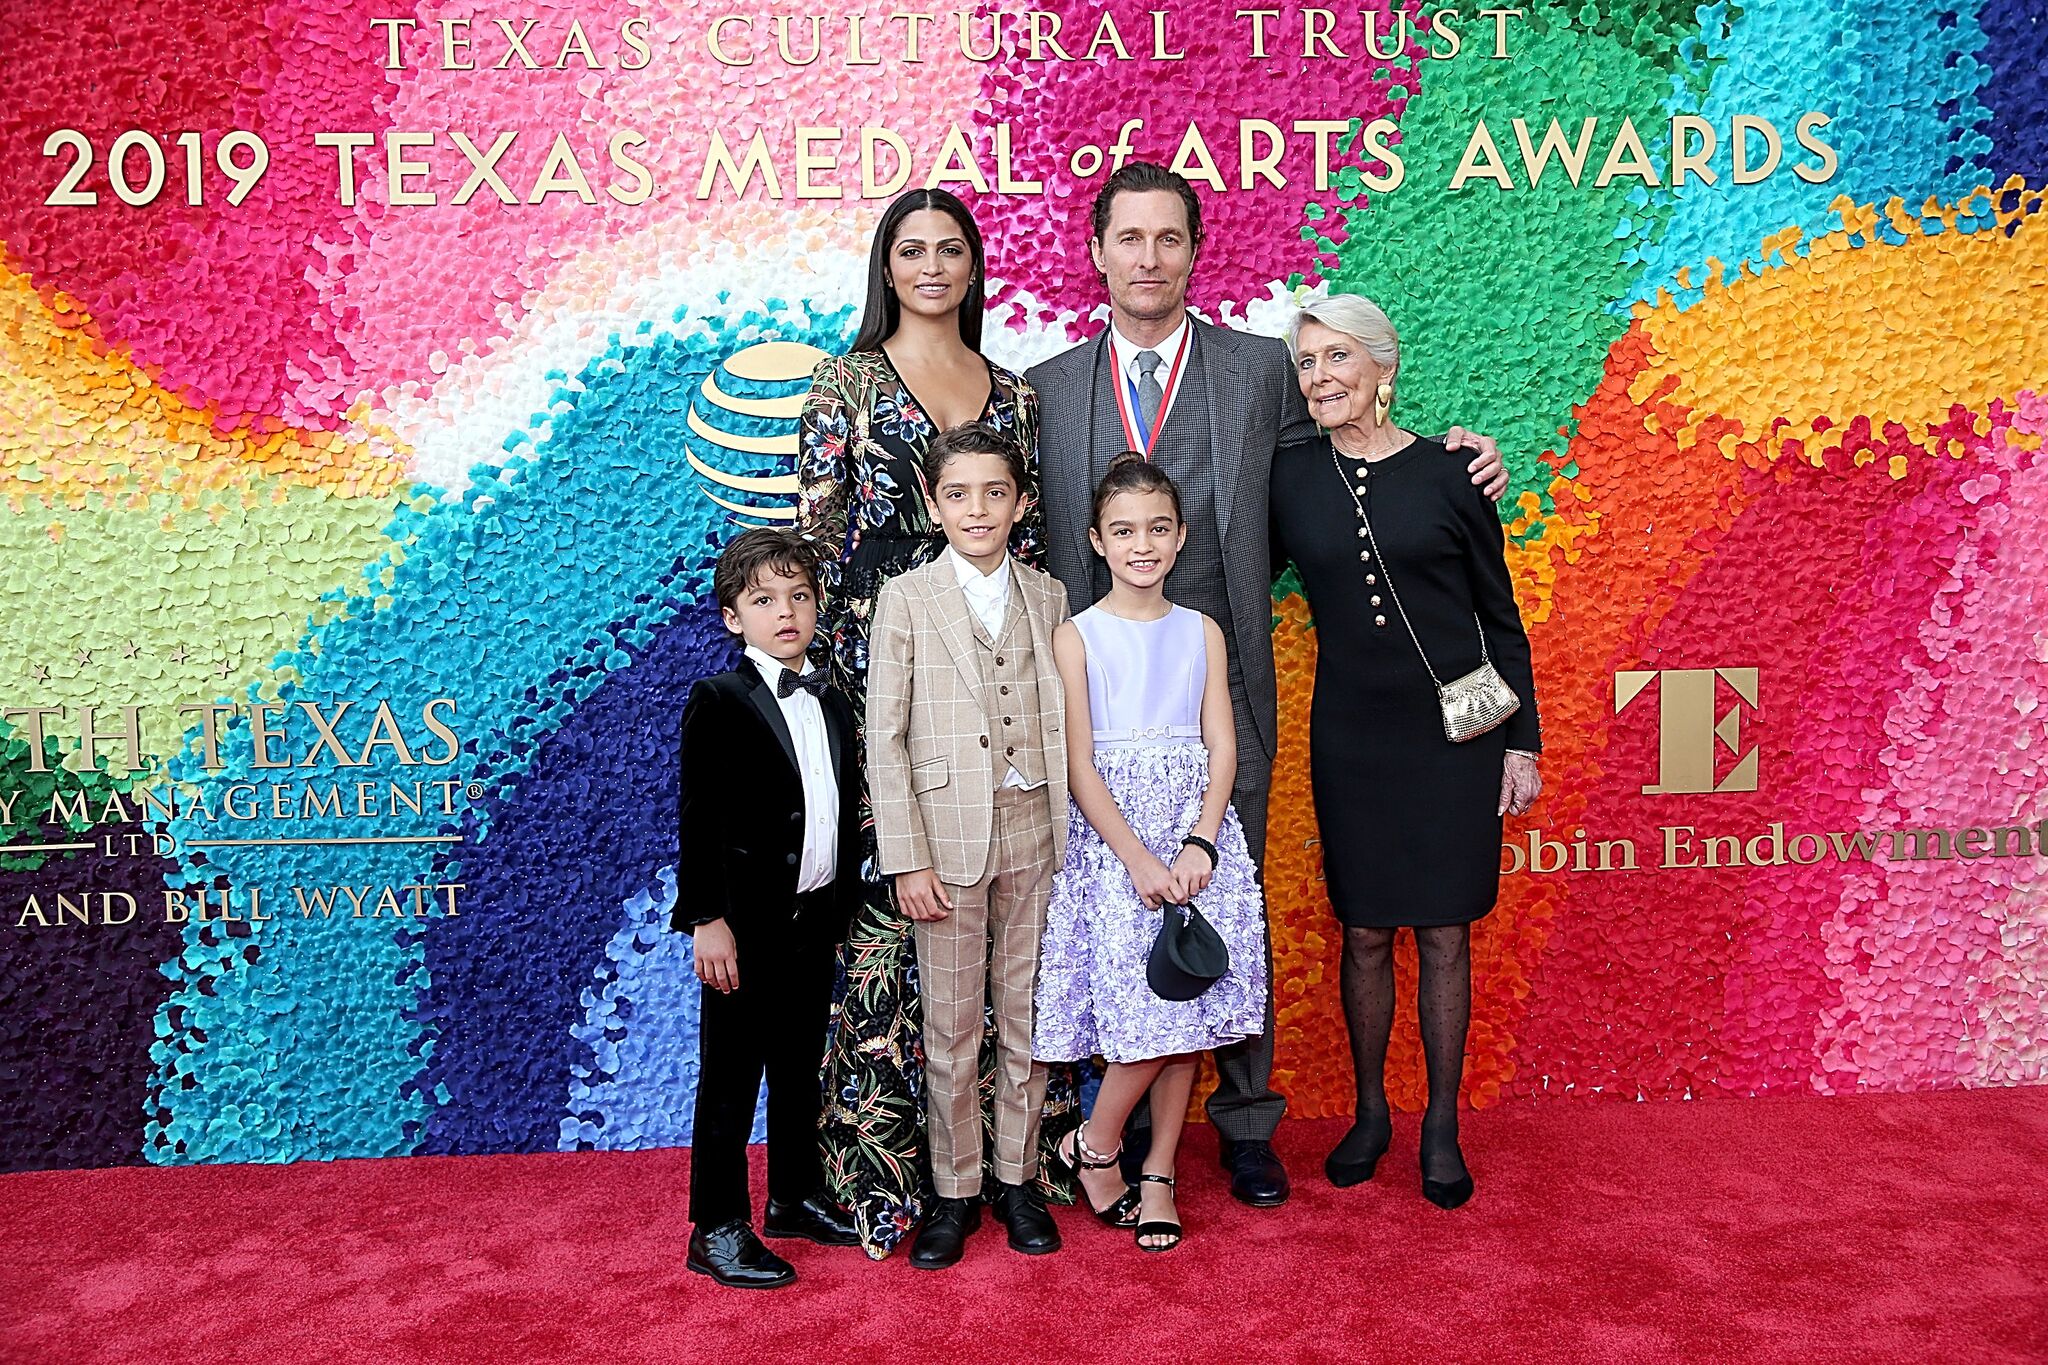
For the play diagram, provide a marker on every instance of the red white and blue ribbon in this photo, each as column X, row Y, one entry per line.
column 1136, row 436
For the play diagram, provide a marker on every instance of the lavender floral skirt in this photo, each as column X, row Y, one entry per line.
column 1092, row 996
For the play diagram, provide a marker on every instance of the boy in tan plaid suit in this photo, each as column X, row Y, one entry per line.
column 968, row 774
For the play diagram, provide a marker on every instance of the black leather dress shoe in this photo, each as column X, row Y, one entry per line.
column 943, row 1238
column 732, row 1255
column 816, row 1219
column 1021, row 1209
column 1256, row 1175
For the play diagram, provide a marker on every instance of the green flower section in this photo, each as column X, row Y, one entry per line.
column 165, row 605
column 50, row 806
column 1507, row 300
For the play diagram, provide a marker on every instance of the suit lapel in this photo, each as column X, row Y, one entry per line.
column 1077, row 479
column 1051, row 704
column 955, row 620
column 1035, row 614
column 763, row 697
column 1227, row 410
column 838, row 726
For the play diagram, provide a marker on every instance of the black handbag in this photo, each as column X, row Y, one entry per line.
column 1188, row 956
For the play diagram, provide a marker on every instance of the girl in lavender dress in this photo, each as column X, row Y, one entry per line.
column 1151, row 755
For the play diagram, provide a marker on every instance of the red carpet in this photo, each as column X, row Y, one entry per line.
column 1866, row 1229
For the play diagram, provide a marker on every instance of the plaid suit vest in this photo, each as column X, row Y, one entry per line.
column 1009, row 695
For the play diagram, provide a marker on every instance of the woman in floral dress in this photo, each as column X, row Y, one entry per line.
column 864, row 433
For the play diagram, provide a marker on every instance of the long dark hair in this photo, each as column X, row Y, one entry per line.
column 879, row 320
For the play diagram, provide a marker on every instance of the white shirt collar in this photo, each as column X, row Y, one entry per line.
column 976, row 583
column 1169, row 349
column 771, row 667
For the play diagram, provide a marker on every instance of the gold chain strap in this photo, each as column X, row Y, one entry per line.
column 1364, row 471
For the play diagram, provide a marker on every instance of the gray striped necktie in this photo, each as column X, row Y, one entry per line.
column 1150, row 395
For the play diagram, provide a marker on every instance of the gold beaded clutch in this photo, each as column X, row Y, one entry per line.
column 1475, row 703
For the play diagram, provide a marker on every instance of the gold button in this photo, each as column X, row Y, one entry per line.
column 1379, row 620
column 1371, row 579
column 1365, row 556
column 1361, row 533
column 1375, row 601
column 1361, row 488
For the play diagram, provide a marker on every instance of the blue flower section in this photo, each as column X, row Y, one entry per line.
column 499, row 601
column 2017, row 51
column 590, row 824
column 640, row 1087
column 1902, row 88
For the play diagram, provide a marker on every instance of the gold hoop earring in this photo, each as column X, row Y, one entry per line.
column 1382, row 403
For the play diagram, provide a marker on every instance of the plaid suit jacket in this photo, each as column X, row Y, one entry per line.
column 932, row 771
column 1256, row 406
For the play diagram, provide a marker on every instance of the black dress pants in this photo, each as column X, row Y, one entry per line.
column 773, row 1024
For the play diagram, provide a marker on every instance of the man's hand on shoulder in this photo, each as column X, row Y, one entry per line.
column 1486, row 469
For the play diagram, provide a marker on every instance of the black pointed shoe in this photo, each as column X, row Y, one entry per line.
column 1256, row 1175
column 1356, row 1158
column 1448, row 1194
column 732, row 1255
column 943, row 1238
column 1445, row 1194
column 816, row 1219
column 1021, row 1209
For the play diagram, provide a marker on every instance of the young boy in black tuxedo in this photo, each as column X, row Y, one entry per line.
column 768, row 878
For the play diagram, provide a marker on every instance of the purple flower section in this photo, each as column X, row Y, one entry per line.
column 81, row 1005
column 2017, row 94
column 589, row 824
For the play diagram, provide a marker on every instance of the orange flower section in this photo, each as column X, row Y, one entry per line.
column 1856, row 326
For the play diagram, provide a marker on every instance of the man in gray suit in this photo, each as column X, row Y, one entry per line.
column 1210, row 406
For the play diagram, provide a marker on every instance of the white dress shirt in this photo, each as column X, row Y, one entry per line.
column 988, row 597
column 805, row 716
column 1126, row 352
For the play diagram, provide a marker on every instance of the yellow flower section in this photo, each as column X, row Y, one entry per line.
column 79, row 424
column 1857, row 326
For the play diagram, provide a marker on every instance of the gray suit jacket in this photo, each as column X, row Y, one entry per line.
column 1256, row 407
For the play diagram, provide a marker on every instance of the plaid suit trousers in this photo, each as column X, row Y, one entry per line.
column 987, row 949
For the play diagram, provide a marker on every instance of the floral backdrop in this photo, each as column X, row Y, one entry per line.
column 299, row 450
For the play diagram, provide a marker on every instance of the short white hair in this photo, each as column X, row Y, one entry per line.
column 1357, row 317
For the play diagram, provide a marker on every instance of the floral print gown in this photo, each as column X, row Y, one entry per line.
column 861, row 495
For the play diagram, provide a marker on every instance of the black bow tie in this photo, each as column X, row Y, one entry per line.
column 814, row 682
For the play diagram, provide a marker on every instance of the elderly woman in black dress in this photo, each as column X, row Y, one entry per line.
column 1402, row 561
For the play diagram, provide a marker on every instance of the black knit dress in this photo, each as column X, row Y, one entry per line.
column 1410, row 834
